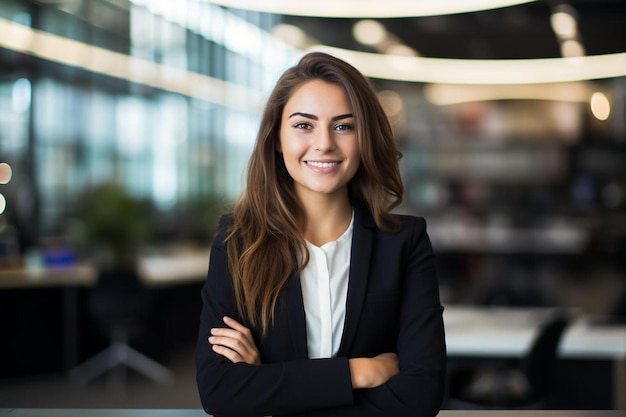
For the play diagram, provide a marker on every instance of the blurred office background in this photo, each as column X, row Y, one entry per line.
column 511, row 121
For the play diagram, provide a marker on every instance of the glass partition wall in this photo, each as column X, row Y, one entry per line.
column 162, row 98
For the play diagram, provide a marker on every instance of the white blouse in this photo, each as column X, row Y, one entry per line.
column 324, row 283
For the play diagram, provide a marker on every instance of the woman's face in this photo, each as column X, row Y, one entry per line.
column 318, row 140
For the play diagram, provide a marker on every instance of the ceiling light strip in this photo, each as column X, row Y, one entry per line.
column 446, row 94
column 368, row 8
column 66, row 51
column 485, row 72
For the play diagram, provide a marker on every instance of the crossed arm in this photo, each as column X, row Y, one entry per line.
column 235, row 343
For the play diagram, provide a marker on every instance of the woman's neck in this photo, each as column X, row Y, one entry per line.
column 326, row 220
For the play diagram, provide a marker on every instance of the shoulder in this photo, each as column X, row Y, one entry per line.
column 411, row 223
column 225, row 226
column 402, row 225
column 405, row 224
column 226, row 221
column 410, row 228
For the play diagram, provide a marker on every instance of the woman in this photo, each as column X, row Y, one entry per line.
column 318, row 300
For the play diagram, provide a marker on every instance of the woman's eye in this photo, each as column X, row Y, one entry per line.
column 344, row 127
column 302, row 125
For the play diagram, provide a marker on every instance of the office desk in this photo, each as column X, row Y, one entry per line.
column 507, row 332
column 177, row 268
column 76, row 275
column 510, row 331
column 473, row 331
column 156, row 271
column 47, row 412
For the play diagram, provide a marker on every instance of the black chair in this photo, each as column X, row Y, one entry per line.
column 122, row 305
column 525, row 384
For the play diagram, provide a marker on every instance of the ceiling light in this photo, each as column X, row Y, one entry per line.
column 291, row 35
column 401, row 50
column 476, row 71
column 600, row 106
column 564, row 25
column 5, row 173
column 447, row 94
column 369, row 32
column 572, row 48
column 391, row 102
column 368, row 8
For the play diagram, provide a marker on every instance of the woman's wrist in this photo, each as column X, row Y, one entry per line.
column 358, row 366
column 372, row 372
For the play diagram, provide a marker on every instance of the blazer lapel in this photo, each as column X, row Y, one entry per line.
column 296, row 318
column 362, row 238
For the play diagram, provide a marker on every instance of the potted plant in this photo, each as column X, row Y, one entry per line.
column 115, row 222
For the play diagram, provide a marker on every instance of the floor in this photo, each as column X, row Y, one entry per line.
column 56, row 390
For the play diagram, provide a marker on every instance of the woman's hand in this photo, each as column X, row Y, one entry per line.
column 235, row 343
column 372, row 372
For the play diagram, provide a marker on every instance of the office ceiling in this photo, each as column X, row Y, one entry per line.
column 517, row 32
column 510, row 33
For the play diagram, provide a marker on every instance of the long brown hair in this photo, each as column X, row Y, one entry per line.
column 265, row 245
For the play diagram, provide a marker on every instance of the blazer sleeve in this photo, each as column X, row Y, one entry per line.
column 239, row 389
column 418, row 390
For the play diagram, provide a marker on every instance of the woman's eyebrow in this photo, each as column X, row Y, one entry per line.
column 341, row 116
column 314, row 117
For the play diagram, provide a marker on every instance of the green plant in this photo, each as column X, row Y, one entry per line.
column 115, row 220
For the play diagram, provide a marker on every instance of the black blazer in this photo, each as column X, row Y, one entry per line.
column 392, row 306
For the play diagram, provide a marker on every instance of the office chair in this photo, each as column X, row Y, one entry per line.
column 525, row 385
column 121, row 303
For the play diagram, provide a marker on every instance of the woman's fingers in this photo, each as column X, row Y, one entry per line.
column 234, row 349
column 235, row 342
column 227, row 353
column 235, row 356
column 235, row 325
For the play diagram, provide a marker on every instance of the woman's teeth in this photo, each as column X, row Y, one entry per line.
column 322, row 164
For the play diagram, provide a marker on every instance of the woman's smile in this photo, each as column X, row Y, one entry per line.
column 323, row 166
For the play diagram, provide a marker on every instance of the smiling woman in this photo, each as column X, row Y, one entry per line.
column 294, row 321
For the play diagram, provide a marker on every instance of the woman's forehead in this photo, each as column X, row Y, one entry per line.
column 317, row 96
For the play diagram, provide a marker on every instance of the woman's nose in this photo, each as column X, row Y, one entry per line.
column 324, row 141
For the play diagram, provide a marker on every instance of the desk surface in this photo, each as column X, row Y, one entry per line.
column 154, row 270
column 79, row 275
column 46, row 412
column 509, row 332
